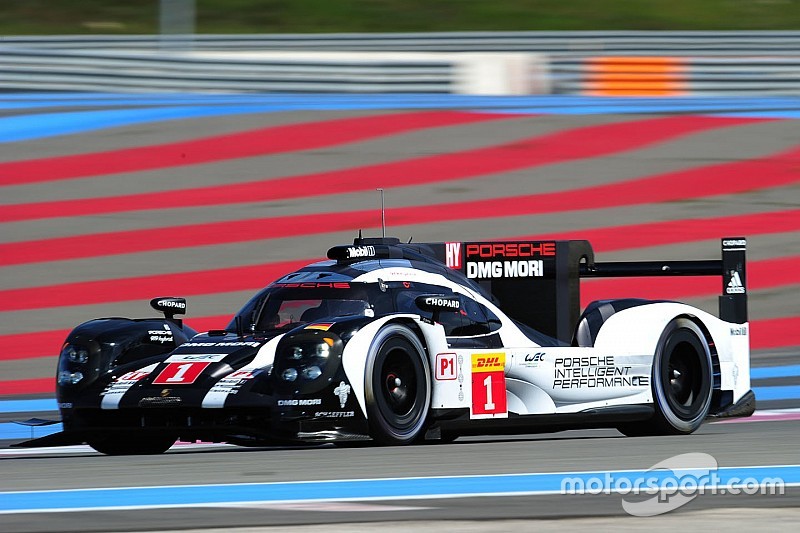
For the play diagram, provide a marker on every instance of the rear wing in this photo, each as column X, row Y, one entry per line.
column 538, row 282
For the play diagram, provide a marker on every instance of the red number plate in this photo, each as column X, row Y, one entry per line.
column 180, row 373
column 489, row 385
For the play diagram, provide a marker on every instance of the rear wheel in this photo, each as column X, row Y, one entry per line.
column 140, row 445
column 398, row 387
column 682, row 382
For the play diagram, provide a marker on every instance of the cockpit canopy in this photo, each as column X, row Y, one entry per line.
column 284, row 306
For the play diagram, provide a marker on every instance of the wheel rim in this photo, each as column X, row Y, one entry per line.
column 399, row 384
column 683, row 380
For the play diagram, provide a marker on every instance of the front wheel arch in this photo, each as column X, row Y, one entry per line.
column 397, row 385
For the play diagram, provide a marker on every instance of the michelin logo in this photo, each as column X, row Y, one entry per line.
column 342, row 391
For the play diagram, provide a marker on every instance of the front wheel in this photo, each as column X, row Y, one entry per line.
column 138, row 445
column 397, row 386
column 682, row 382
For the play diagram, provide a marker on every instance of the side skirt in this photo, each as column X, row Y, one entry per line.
column 517, row 424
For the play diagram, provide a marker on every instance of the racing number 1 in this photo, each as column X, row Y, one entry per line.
column 180, row 373
column 489, row 405
column 488, row 386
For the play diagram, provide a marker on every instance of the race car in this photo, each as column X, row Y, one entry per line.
column 397, row 343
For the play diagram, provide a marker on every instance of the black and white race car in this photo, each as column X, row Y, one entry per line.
column 398, row 343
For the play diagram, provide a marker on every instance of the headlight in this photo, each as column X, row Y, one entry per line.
column 69, row 378
column 323, row 350
column 307, row 356
column 312, row 372
column 78, row 362
column 75, row 354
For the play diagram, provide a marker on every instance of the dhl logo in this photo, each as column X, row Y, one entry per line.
column 488, row 362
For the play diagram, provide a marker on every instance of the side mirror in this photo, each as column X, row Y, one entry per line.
column 438, row 302
column 170, row 306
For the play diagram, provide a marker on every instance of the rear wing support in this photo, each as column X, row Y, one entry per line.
column 731, row 268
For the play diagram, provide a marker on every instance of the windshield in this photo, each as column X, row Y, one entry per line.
column 286, row 305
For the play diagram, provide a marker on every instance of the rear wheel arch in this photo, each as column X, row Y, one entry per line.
column 715, row 365
column 682, row 380
column 712, row 348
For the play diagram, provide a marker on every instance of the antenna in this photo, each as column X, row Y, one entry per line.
column 383, row 214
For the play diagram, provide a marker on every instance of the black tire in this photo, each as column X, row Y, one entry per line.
column 120, row 445
column 682, row 382
column 397, row 386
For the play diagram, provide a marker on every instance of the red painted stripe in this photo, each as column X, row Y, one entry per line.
column 761, row 275
column 184, row 283
column 680, row 231
column 591, row 141
column 258, row 142
column 32, row 345
column 727, row 178
column 46, row 344
column 775, row 333
column 602, row 239
column 28, row 386
column 26, row 345
column 764, row 334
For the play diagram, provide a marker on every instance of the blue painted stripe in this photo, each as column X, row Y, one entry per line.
column 28, row 406
column 182, row 106
column 764, row 114
column 379, row 489
column 788, row 392
column 12, row 431
column 26, row 127
column 766, row 372
column 56, row 99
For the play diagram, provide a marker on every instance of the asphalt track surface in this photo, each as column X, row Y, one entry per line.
column 229, row 193
column 732, row 444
